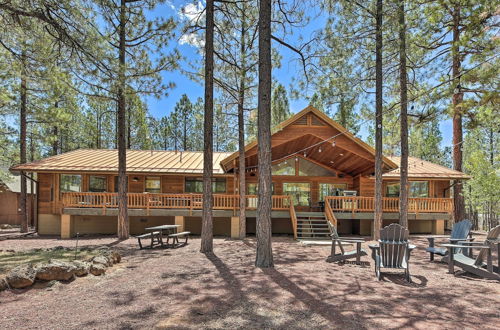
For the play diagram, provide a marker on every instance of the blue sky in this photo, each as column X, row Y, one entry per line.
column 289, row 69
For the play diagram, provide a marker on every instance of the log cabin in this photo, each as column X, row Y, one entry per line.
column 320, row 172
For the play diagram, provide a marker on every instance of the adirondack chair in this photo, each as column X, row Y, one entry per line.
column 344, row 255
column 477, row 266
column 393, row 250
column 459, row 232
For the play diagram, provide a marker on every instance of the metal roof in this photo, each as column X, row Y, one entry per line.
column 419, row 168
column 138, row 161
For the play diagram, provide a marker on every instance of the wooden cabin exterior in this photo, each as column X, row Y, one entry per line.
column 318, row 168
column 10, row 202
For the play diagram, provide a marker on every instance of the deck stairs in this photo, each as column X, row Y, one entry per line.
column 312, row 226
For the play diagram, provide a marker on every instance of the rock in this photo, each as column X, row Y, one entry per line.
column 82, row 268
column 3, row 283
column 21, row 277
column 103, row 260
column 114, row 256
column 55, row 270
column 97, row 269
column 5, row 226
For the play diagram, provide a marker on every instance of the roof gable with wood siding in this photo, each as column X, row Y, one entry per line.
column 312, row 127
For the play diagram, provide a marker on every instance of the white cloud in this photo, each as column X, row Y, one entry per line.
column 193, row 14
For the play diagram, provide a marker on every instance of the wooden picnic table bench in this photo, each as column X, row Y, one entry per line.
column 159, row 232
column 155, row 236
column 175, row 238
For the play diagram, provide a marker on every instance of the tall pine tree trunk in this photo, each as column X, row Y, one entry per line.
column 207, row 219
column 241, row 128
column 55, row 144
column 377, row 223
column 264, row 257
column 458, row 198
column 22, row 142
column 403, row 168
column 123, row 221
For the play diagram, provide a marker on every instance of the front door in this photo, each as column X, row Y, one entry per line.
column 301, row 194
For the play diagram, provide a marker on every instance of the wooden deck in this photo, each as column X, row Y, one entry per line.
column 389, row 204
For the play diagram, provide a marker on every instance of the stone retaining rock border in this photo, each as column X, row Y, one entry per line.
column 25, row 275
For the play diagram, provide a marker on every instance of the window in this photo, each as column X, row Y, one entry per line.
column 308, row 168
column 97, row 183
column 195, row 185
column 286, row 167
column 331, row 189
column 70, row 183
column 300, row 192
column 392, row 190
column 116, row 183
column 153, row 184
column 417, row 189
column 253, row 188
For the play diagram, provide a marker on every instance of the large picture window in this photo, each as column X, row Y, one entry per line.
column 153, row 184
column 253, row 188
column 97, row 183
column 70, row 183
column 300, row 192
column 331, row 189
column 417, row 189
column 195, row 185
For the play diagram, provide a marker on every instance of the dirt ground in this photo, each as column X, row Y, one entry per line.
column 184, row 289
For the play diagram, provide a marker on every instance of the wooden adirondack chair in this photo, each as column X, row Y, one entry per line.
column 477, row 266
column 460, row 232
column 393, row 250
column 344, row 255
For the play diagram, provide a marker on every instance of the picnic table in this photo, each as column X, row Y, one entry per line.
column 167, row 229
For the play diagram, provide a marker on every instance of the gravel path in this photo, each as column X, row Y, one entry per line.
column 181, row 288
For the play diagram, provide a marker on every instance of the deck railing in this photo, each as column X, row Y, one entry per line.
column 165, row 201
column 389, row 204
column 231, row 202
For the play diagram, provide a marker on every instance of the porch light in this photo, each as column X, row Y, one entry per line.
column 135, row 179
column 333, row 143
column 319, row 149
column 305, row 154
column 341, row 154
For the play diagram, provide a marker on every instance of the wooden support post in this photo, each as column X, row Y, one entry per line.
column 179, row 220
column 438, row 227
column 235, row 227
column 65, row 226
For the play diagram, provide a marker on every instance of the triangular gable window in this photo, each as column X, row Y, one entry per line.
column 286, row 167
column 307, row 168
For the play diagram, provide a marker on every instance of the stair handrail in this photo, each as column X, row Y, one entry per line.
column 329, row 214
column 293, row 216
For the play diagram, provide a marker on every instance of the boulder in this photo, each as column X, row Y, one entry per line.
column 82, row 268
column 55, row 270
column 21, row 277
column 3, row 283
column 103, row 260
column 114, row 256
column 97, row 269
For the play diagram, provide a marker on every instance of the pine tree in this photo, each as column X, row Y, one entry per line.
column 280, row 106
column 264, row 256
